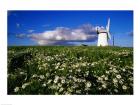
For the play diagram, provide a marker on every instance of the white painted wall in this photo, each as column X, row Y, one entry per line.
column 102, row 39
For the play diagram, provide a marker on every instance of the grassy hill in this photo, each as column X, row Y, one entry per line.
column 70, row 70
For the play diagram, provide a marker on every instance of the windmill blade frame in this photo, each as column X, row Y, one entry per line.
column 108, row 25
column 107, row 29
column 109, row 35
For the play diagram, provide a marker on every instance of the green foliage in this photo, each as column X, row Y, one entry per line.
column 70, row 70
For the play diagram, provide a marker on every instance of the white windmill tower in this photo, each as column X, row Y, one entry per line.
column 103, row 35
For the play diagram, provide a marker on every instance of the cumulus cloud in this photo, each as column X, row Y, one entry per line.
column 63, row 35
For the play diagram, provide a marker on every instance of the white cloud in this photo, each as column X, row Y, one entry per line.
column 62, row 35
column 45, row 42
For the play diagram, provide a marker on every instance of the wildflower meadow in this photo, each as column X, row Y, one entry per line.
column 73, row 70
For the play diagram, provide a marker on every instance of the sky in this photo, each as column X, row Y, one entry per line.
column 27, row 28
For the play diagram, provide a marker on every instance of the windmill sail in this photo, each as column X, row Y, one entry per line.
column 107, row 29
column 108, row 25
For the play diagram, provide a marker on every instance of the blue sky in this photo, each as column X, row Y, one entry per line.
column 67, row 27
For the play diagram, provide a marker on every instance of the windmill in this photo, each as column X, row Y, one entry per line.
column 103, row 35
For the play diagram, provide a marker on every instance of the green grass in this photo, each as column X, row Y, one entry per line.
column 70, row 70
